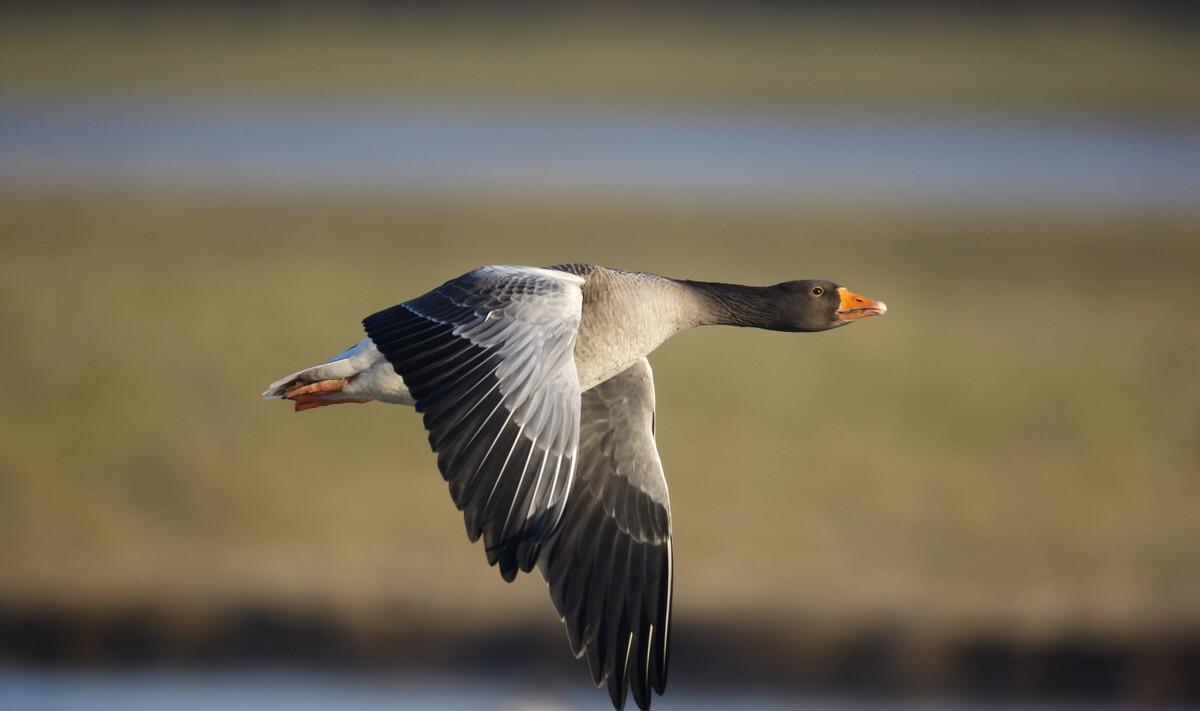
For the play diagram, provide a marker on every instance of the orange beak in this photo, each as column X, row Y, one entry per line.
column 856, row 307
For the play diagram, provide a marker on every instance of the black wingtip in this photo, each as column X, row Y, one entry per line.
column 618, row 686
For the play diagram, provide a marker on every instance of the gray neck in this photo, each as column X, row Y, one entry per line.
column 721, row 304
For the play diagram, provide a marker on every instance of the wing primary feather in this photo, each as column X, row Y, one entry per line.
column 618, row 678
column 462, row 463
column 608, row 565
column 506, row 530
column 618, row 620
column 566, row 491
column 640, row 684
column 597, row 632
column 658, row 665
column 473, row 510
column 503, row 491
column 503, row 468
column 635, row 603
column 433, row 360
column 453, row 460
column 439, row 385
column 537, row 483
column 552, row 490
column 401, row 322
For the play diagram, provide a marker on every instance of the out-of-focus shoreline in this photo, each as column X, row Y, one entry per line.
column 885, row 658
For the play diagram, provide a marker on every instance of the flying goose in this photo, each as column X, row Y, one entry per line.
column 539, row 402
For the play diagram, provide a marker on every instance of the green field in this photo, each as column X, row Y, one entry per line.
column 1012, row 446
column 1083, row 61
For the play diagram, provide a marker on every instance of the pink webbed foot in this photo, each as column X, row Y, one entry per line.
column 308, row 396
column 321, row 386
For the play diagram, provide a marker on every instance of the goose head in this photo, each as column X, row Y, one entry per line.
column 818, row 305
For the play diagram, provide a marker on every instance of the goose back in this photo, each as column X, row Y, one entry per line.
column 625, row 316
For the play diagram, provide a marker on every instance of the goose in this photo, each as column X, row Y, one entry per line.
column 538, row 399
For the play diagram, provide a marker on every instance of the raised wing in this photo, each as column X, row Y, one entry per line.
column 609, row 565
column 488, row 357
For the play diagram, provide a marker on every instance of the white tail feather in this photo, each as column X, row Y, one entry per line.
column 368, row 372
column 343, row 365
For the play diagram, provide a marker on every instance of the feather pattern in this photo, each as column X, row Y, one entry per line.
column 539, row 403
column 609, row 565
column 488, row 358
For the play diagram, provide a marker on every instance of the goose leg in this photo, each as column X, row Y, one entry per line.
column 308, row 402
column 321, row 386
column 312, row 395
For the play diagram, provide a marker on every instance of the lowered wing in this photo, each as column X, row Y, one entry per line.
column 609, row 566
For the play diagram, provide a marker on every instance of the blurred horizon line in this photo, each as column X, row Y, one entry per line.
column 753, row 156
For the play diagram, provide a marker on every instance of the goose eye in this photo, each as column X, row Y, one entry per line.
column 817, row 291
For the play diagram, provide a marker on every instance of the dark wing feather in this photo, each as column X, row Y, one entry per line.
column 488, row 357
column 609, row 564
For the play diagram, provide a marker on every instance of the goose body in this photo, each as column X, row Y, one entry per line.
column 534, row 387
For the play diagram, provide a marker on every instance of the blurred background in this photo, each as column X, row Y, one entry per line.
column 988, row 497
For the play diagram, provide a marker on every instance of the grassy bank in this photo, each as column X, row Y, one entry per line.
column 1012, row 446
column 1084, row 62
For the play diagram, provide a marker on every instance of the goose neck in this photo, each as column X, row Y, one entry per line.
column 735, row 304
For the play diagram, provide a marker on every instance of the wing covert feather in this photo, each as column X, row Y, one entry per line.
column 488, row 357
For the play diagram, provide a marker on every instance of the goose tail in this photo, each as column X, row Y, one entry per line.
column 357, row 374
column 340, row 366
